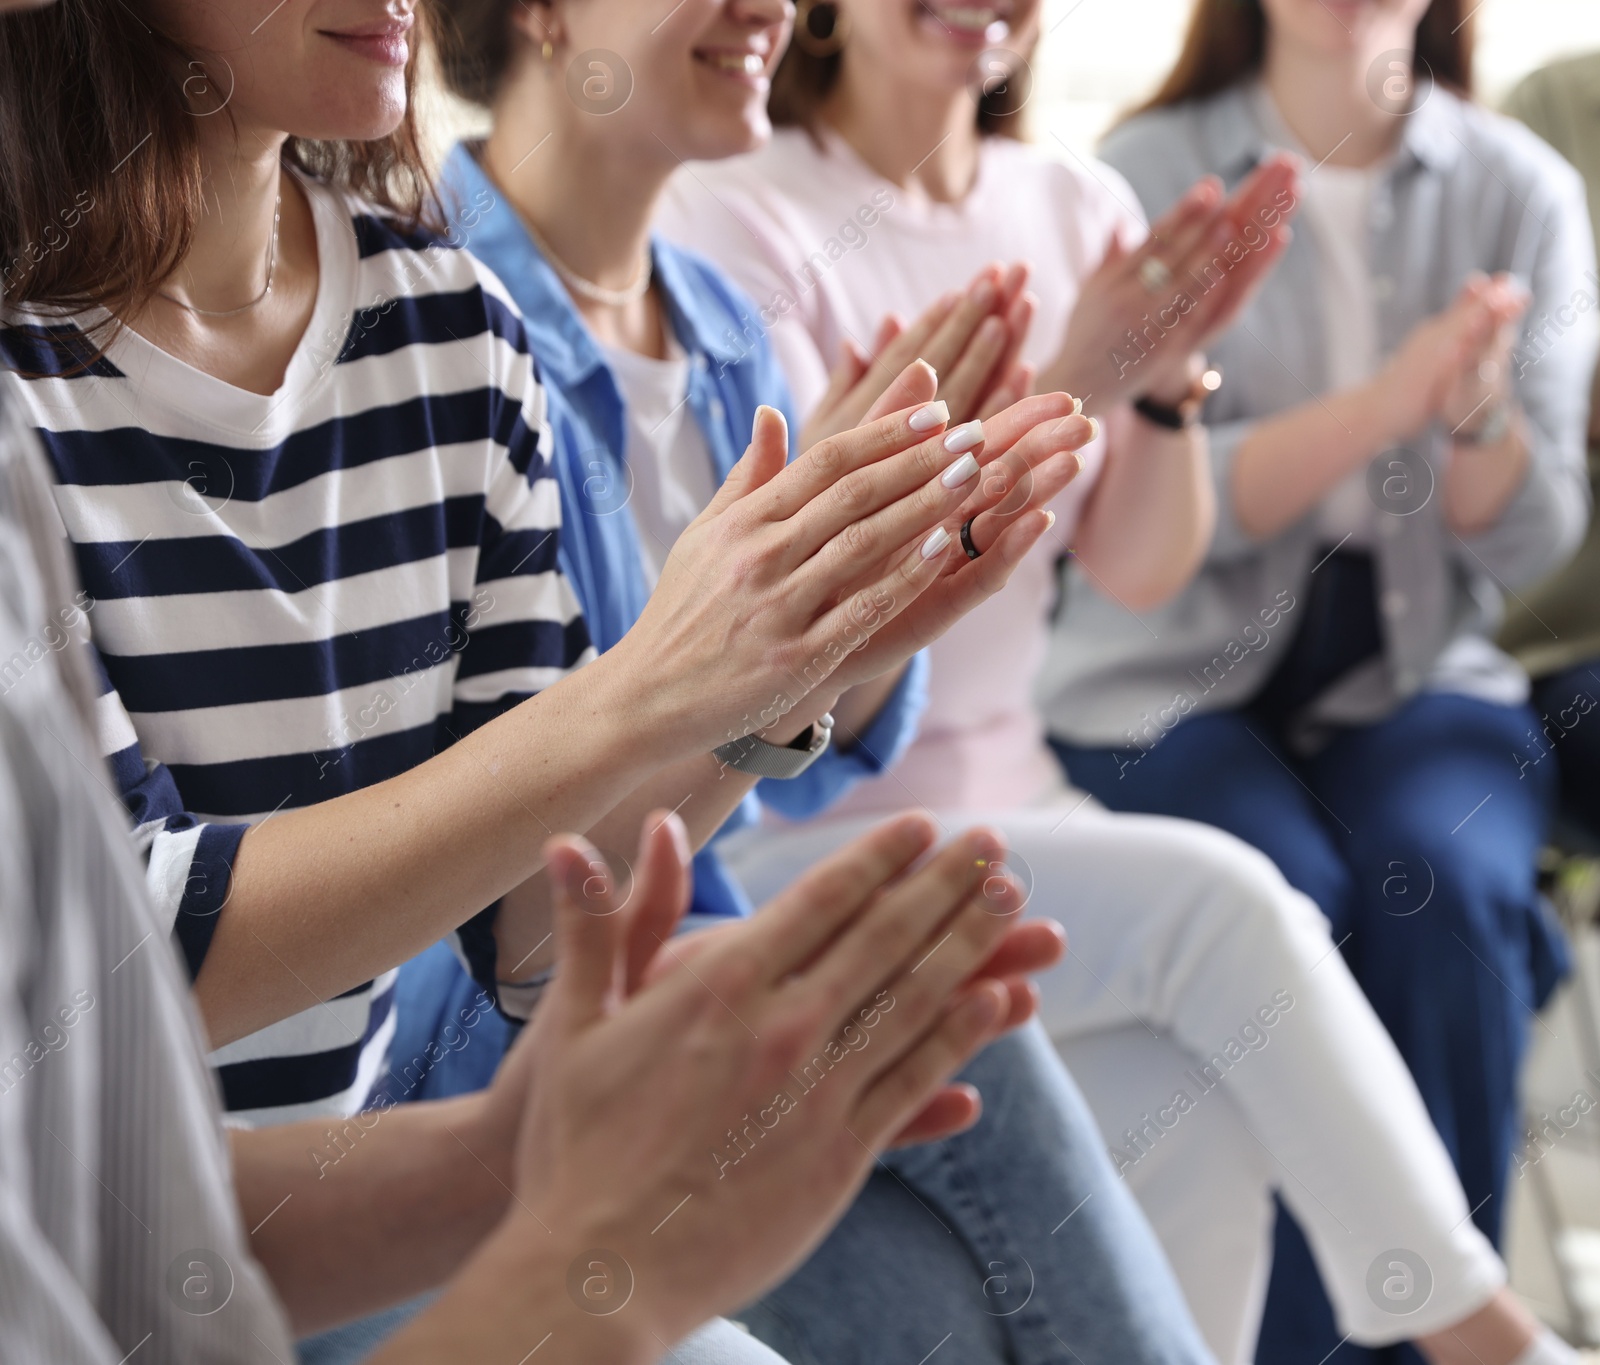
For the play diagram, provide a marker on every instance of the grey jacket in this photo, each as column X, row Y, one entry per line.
column 1468, row 190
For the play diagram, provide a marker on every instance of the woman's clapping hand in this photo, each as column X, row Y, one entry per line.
column 832, row 569
column 1456, row 364
column 971, row 338
column 833, row 1018
column 1145, row 312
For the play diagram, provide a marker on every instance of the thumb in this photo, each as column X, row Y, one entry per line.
column 846, row 375
column 762, row 461
column 890, row 328
column 588, row 929
column 660, row 892
column 1118, row 249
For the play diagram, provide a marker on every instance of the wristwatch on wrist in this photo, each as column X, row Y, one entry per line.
column 519, row 998
column 760, row 759
column 1492, row 430
column 1186, row 412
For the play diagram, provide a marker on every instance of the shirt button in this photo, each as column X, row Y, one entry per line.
column 1394, row 603
column 1383, row 288
column 715, row 409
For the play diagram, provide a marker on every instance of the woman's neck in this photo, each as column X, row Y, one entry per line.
column 244, row 337
column 591, row 203
column 909, row 135
column 1326, row 103
column 226, row 263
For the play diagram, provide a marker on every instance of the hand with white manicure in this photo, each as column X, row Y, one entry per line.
column 810, row 574
column 1010, row 466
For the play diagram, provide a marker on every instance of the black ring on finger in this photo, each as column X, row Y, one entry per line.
column 966, row 539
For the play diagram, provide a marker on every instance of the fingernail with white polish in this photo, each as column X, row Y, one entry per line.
column 925, row 418
column 1094, row 434
column 958, row 473
column 1049, row 520
column 963, row 437
column 936, row 543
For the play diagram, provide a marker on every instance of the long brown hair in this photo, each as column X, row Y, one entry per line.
column 100, row 164
column 808, row 72
column 1227, row 42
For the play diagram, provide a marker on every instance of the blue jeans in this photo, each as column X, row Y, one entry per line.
column 1417, row 836
column 716, row 1343
column 1015, row 1243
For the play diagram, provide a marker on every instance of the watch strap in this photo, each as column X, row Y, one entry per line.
column 517, row 999
column 1173, row 419
column 1491, row 430
column 755, row 756
column 1185, row 413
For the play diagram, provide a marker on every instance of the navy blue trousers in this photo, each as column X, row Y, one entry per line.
column 1417, row 837
column 1568, row 735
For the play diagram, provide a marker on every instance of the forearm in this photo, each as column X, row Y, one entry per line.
column 1288, row 463
column 701, row 789
column 515, row 1297
column 350, row 1216
column 858, row 706
column 326, row 897
column 1482, row 480
column 1147, row 525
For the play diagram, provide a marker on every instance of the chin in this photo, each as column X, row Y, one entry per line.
column 1337, row 26
column 362, row 112
column 718, row 139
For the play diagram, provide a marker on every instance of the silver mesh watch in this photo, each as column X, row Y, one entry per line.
column 760, row 759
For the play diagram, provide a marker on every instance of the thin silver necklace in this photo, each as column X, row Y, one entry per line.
column 272, row 262
column 595, row 293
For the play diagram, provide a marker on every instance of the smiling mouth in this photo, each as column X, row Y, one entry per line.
column 751, row 65
column 990, row 23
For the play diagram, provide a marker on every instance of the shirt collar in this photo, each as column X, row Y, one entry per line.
column 1239, row 143
column 1430, row 136
column 562, row 342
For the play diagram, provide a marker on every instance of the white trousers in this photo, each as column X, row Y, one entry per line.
column 1227, row 1054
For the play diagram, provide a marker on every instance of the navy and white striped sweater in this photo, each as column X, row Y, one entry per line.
column 297, row 595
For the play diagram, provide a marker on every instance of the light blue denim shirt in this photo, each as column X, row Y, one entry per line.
column 1468, row 190
column 732, row 371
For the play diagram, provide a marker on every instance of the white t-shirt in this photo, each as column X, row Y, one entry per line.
column 825, row 247
column 1336, row 205
column 666, row 453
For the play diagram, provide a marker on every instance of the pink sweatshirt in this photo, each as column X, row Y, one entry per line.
column 826, row 247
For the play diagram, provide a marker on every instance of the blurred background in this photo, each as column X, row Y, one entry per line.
column 1099, row 56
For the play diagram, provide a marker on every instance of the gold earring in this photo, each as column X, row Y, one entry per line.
column 548, row 50
column 816, row 44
